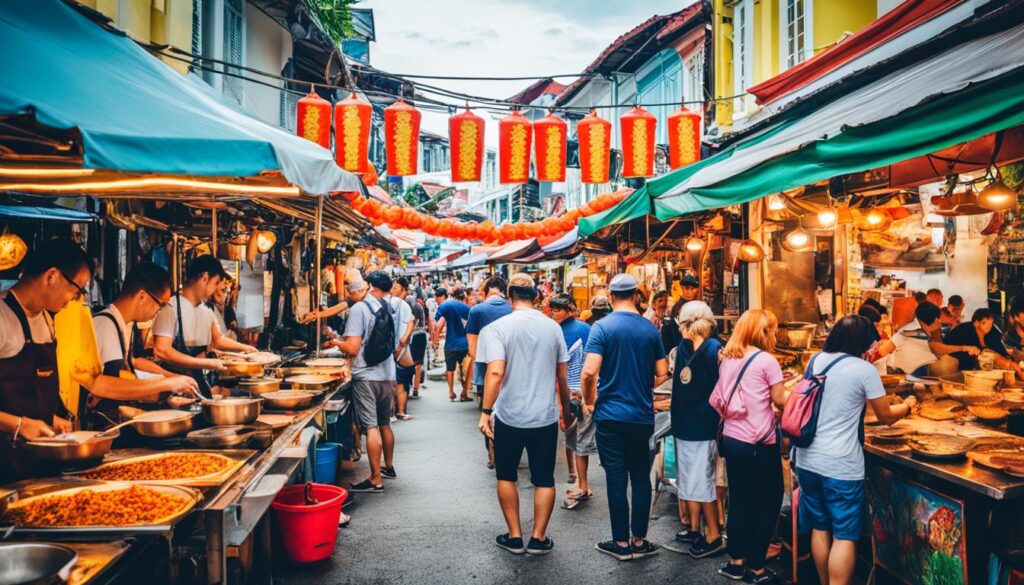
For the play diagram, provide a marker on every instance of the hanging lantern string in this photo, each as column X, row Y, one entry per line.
column 189, row 57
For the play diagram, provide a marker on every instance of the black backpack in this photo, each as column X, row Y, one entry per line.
column 380, row 344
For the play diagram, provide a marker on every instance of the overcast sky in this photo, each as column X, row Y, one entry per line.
column 500, row 37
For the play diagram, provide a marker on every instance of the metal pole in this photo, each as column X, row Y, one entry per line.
column 213, row 235
column 318, row 229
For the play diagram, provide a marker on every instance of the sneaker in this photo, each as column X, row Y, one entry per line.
column 733, row 572
column 687, row 536
column 365, row 487
column 539, row 547
column 768, row 577
column 343, row 520
column 704, row 549
column 609, row 547
column 394, row 419
column 389, row 472
column 645, row 549
column 512, row 545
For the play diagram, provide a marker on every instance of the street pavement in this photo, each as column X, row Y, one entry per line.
column 436, row 523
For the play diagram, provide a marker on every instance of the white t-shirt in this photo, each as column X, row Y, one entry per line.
column 836, row 451
column 12, row 339
column 912, row 349
column 197, row 322
column 361, row 319
column 401, row 312
column 532, row 346
column 107, row 335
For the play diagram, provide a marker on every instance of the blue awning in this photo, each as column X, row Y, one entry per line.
column 136, row 113
column 45, row 213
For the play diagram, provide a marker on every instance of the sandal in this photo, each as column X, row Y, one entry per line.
column 575, row 498
column 355, row 454
column 403, row 416
column 465, row 399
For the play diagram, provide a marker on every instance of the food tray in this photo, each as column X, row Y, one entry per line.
column 237, row 456
column 328, row 362
column 939, row 446
column 985, row 459
column 889, row 434
column 26, row 496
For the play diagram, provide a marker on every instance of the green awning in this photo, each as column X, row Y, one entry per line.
column 638, row 204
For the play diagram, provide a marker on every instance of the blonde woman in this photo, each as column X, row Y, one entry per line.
column 749, row 383
column 694, row 426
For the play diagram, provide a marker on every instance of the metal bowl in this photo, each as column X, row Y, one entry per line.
column 232, row 411
column 242, row 369
column 160, row 423
column 71, row 450
column 288, row 399
column 219, row 437
column 314, row 382
column 795, row 335
column 260, row 385
column 25, row 563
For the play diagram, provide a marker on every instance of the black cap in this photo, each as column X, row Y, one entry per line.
column 562, row 301
column 205, row 264
column 690, row 281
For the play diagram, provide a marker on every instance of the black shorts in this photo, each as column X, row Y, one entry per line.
column 541, row 444
column 418, row 346
column 454, row 357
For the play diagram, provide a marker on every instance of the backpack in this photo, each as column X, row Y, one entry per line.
column 800, row 415
column 380, row 344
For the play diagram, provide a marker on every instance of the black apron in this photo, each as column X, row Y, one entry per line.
column 29, row 387
column 95, row 413
column 203, row 379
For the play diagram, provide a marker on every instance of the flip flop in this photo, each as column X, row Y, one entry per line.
column 575, row 498
column 465, row 399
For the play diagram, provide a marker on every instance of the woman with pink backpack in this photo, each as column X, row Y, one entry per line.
column 829, row 456
column 749, row 383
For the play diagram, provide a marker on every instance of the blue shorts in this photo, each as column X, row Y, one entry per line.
column 405, row 376
column 833, row 505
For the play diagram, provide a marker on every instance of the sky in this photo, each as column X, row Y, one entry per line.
column 500, row 37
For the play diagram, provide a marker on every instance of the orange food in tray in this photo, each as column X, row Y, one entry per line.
column 133, row 506
column 168, row 467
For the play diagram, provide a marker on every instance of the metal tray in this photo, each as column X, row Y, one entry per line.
column 66, row 487
column 238, row 456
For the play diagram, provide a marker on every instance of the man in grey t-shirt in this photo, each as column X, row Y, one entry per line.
column 371, row 385
column 526, row 369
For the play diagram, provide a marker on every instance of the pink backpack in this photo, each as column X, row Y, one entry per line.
column 800, row 416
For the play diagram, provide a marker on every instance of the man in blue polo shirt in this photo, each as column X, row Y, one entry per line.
column 625, row 361
column 453, row 313
column 493, row 307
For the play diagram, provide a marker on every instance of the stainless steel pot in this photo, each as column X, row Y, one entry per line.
column 71, row 450
column 159, row 424
column 260, row 385
column 241, row 369
column 30, row 563
column 232, row 411
column 795, row 335
column 288, row 399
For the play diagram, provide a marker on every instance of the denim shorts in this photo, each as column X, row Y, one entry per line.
column 833, row 505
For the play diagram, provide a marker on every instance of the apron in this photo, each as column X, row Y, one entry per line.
column 29, row 387
column 97, row 413
column 202, row 377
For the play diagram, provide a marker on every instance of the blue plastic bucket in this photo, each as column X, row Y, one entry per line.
column 327, row 462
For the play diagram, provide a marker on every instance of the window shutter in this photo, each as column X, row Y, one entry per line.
column 197, row 31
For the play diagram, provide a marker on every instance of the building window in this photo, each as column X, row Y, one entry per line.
column 660, row 81
column 233, row 48
column 742, row 52
column 197, row 31
column 796, row 32
column 693, row 80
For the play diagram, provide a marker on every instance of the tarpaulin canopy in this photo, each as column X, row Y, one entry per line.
column 638, row 204
column 968, row 91
column 468, row 261
column 45, row 213
column 134, row 112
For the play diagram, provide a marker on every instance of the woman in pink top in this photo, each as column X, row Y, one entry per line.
column 749, row 382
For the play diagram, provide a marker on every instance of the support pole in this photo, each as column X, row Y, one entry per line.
column 318, row 230
column 213, row 235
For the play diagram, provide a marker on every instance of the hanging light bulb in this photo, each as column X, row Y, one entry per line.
column 776, row 203
column 694, row 244
column 875, row 218
column 798, row 239
column 265, row 240
column 997, row 196
column 750, row 251
column 827, row 216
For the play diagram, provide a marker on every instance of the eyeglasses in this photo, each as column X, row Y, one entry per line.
column 158, row 302
column 81, row 292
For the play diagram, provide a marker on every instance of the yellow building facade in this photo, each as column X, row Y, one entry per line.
column 151, row 21
column 755, row 40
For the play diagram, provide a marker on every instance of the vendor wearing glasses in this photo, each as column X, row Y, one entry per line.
column 185, row 329
column 53, row 275
column 126, row 378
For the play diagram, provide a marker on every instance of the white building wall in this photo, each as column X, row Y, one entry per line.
column 268, row 47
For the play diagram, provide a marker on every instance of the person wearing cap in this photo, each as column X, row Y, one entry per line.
column 525, row 382
column 494, row 307
column 580, row 441
column 689, row 290
column 625, row 362
column 185, row 329
column 599, row 309
column 356, row 287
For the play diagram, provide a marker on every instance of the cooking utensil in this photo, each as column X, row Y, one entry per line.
column 163, row 423
column 308, row 497
column 95, row 447
column 939, row 446
column 260, row 385
column 983, row 380
column 288, row 399
column 310, row 382
column 275, row 421
column 988, row 414
column 35, row 563
column 891, row 434
column 232, row 411
column 796, row 334
column 1013, row 400
column 244, row 369
column 219, row 437
column 326, row 362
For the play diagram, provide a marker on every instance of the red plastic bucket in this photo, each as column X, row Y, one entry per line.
column 310, row 532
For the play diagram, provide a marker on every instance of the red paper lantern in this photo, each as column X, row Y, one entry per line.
column 638, row 126
column 413, row 219
column 430, row 225
column 485, row 230
column 370, row 177
column 466, row 138
column 508, row 232
column 402, row 136
column 683, row 138
column 514, row 148
column 586, row 210
column 352, row 133
column 594, row 134
column 394, row 216
column 549, row 140
column 313, row 119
